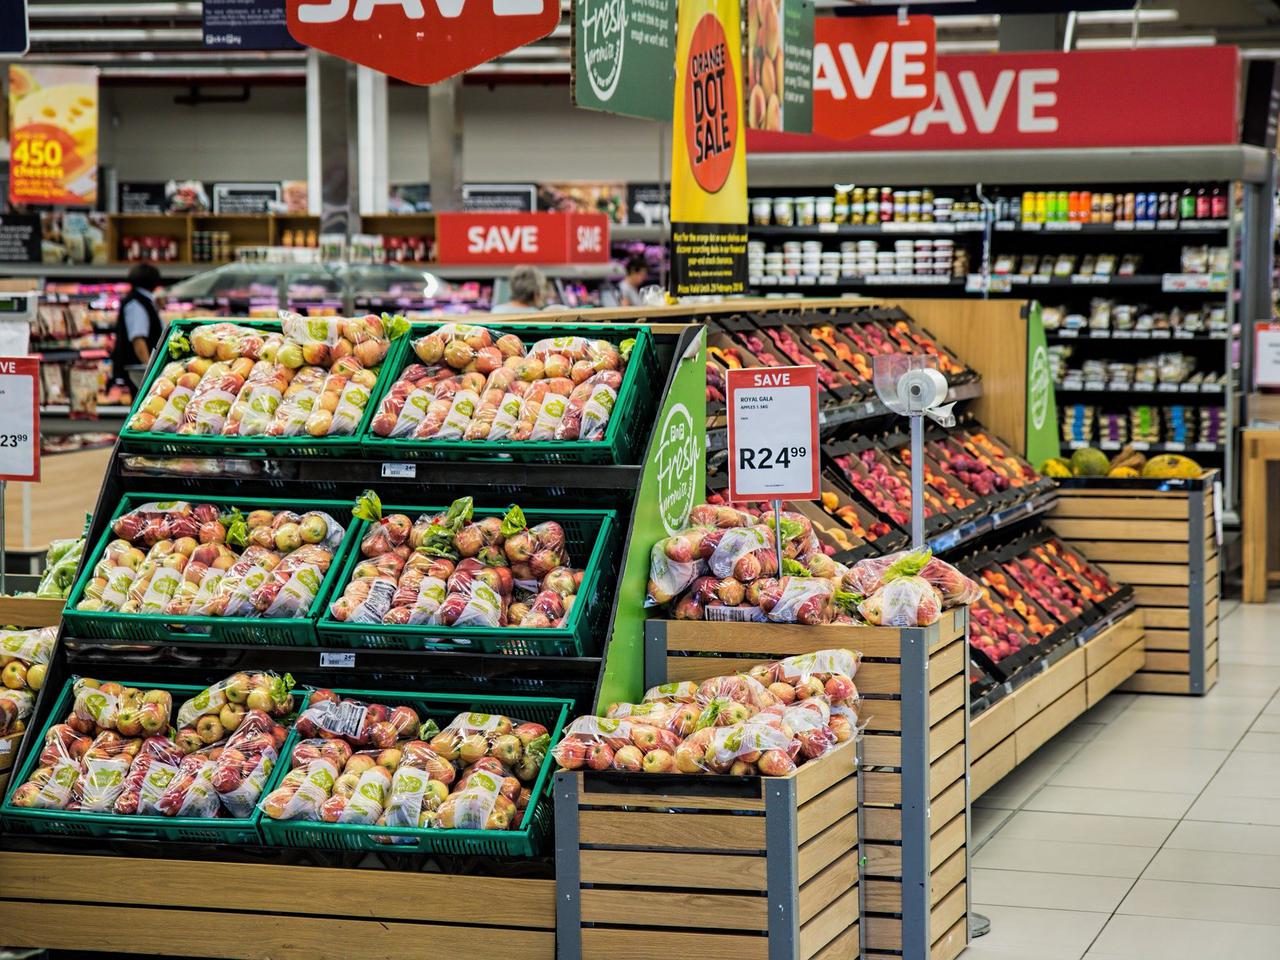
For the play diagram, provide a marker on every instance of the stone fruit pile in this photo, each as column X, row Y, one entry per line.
column 314, row 377
column 376, row 764
column 762, row 723
column 178, row 558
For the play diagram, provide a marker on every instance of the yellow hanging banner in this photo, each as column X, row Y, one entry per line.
column 708, row 153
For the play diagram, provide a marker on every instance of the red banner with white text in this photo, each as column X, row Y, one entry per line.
column 1087, row 98
column 512, row 238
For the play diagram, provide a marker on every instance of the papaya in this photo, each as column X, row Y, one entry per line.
column 1089, row 462
column 1056, row 467
column 1169, row 466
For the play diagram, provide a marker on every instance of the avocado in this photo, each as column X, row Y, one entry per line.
column 1089, row 463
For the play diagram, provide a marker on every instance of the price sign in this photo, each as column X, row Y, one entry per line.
column 773, row 433
column 19, row 419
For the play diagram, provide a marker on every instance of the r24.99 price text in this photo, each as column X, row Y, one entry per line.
column 766, row 458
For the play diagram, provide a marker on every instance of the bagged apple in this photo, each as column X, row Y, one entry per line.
column 50, row 787
column 674, row 564
column 302, row 792
column 683, row 691
column 149, row 776
column 826, row 673
column 518, row 746
column 904, row 602
column 479, row 805
column 867, row 576
column 265, row 691
column 795, row 599
column 15, row 708
column 680, row 718
column 191, row 793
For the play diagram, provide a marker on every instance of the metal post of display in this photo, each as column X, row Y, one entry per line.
column 917, row 481
column 777, row 531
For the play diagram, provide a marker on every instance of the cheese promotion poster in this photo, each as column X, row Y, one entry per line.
column 53, row 135
column 708, row 152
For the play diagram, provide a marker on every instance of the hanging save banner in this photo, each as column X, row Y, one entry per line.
column 708, row 153
column 53, row 135
column 779, row 78
column 624, row 56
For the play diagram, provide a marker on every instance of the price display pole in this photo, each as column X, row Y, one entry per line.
column 773, row 437
column 19, row 432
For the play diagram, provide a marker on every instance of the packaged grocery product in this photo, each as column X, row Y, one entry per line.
column 904, row 602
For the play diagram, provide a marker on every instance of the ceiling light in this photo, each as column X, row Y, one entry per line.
column 968, row 46
column 131, row 11
column 975, row 21
column 124, row 35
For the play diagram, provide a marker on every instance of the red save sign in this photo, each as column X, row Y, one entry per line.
column 511, row 238
column 868, row 71
column 19, row 419
column 420, row 41
column 773, row 433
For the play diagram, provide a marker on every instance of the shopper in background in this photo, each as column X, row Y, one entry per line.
column 138, row 326
column 637, row 276
column 528, row 292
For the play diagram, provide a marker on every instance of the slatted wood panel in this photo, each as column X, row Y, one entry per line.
column 699, row 650
column 1164, row 544
column 667, row 884
column 1014, row 727
column 267, row 911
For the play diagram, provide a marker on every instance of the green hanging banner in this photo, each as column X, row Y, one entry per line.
column 1042, row 407
column 674, row 481
column 624, row 57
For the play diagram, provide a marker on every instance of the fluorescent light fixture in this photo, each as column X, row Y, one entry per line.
column 1260, row 53
column 1124, row 43
column 968, row 46
column 1088, row 17
column 124, row 35
column 974, row 21
column 131, row 11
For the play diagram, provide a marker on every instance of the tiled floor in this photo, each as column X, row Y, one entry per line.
column 1150, row 828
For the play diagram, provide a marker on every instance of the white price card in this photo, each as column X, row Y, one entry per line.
column 19, row 419
column 1266, row 354
column 773, row 433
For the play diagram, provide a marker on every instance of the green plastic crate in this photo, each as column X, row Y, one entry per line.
column 255, row 446
column 626, row 431
column 153, row 628
column 589, row 534
column 71, row 823
column 526, row 841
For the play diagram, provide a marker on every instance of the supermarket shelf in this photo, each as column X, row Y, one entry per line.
column 968, row 532
column 105, row 411
column 637, row 231
column 1109, row 335
column 1144, row 447
column 850, row 282
column 95, row 271
column 560, row 271
column 892, row 228
column 1158, row 391
column 60, row 354
column 1124, row 228
column 1166, row 282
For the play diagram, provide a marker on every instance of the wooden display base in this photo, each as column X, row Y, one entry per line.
column 912, row 812
column 719, row 868
column 256, row 911
column 1164, row 543
column 1006, row 733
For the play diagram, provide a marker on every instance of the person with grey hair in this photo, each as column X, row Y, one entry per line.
column 528, row 292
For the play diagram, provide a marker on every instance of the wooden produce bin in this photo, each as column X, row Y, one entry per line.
column 912, row 812
column 719, row 868
column 1074, row 678
column 261, row 911
column 1161, row 537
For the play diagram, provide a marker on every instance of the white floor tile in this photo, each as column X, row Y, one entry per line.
column 1213, row 866
column 985, row 821
column 1250, row 775
column 1115, row 803
column 1150, row 938
column 1050, row 891
column 1087, row 828
column 1137, row 767
column 1039, row 933
column 1225, row 837
column 1061, row 856
column 1215, row 732
column 1203, row 901
column 1221, row 806
column 1261, row 741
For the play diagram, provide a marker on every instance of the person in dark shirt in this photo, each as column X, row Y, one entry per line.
column 138, row 326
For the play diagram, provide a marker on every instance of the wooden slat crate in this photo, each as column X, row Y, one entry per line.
column 269, row 911
column 1163, row 542
column 1009, row 731
column 719, row 868
column 912, row 809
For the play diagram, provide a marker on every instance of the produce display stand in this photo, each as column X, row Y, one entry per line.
column 912, row 807
column 1161, row 536
column 774, row 861
column 1260, row 523
column 292, row 901
column 1016, row 722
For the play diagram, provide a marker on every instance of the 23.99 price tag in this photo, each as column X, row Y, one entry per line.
column 773, row 433
column 19, row 419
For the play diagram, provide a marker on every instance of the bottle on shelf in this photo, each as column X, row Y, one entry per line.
column 1204, row 205
column 1187, row 205
column 1218, row 203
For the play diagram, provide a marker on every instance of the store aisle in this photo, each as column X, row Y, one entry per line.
column 1150, row 828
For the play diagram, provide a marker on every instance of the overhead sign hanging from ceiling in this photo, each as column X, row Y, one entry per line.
column 1087, row 98
column 624, row 56
column 14, row 38
column 420, row 41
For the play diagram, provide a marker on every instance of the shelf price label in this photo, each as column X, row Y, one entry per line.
column 773, row 433
column 19, row 419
